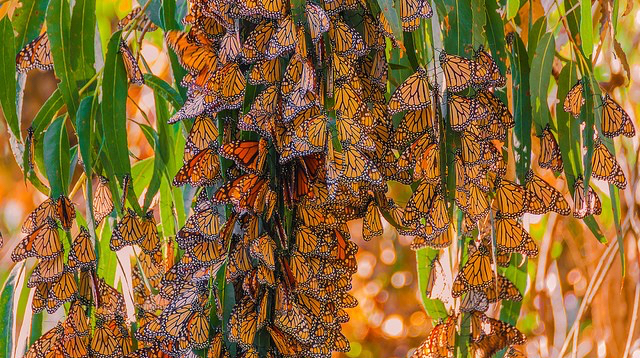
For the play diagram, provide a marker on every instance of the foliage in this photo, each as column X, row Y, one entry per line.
column 292, row 119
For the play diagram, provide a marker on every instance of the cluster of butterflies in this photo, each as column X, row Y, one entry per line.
column 312, row 150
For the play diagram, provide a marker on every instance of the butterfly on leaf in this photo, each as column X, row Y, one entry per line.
column 82, row 254
column 250, row 156
column 144, row 23
column 487, row 73
column 412, row 94
column 458, row 71
column 43, row 243
column 606, row 167
column 36, row 54
column 615, row 120
column 131, row 64
column 574, row 100
column 102, row 204
column 411, row 11
column 585, row 205
column 542, row 197
column 550, row 155
column 203, row 169
column 476, row 274
column 512, row 237
column 440, row 341
column 491, row 335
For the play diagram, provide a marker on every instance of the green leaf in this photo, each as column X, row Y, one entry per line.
column 8, row 75
column 538, row 29
column 28, row 20
column 541, row 64
column 154, row 11
column 60, row 39
column 457, row 36
column 164, row 89
column 167, row 216
column 496, row 37
column 159, row 168
column 168, row 18
column 512, row 8
column 84, row 124
column 107, row 260
column 521, row 106
column 114, row 120
column 586, row 27
column 479, row 22
column 573, row 19
column 386, row 6
column 568, row 135
column 46, row 113
column 7, row 315
column 83, row 31
column 517, row 274
column 424, row 257
column 56, row 157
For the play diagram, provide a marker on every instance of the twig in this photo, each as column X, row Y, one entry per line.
column 634, row 318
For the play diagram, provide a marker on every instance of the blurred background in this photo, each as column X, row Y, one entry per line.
column 389, row 320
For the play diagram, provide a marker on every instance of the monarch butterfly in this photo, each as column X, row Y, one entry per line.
column 550, row 155
column 243, row 323
column 504, row 290
column 47, row 271
column 606, row 167
column 476, row 274
column 412, row 94
column 284, row 38
column 255, row 47
column 499, row 112
column 45, row 344
column 345, row 39
column 262, row 249
column 110, row 338
column 512, row 237
column 203, row 133
column 543, row 198
column 52, row 295
column 150, row 352
column 440, row 341
column 35, row 219
column 347, row 99
column 411, row 11
column 318, row 21
column 457, row 71
column 201, row 170
column 230, row 47
column 266, row 72
column 574, row 100
column 463, row 110
column 372, row 225
column 144, row 23
column 285, row 343
column 514, row 353
column 43, row 243
column 126, row 185
column 131, row 64
column 474, row 301
column 585, row 206
column 250, row 156
column 358, row 167
column 615, row 120
column 192, row 56
column 271, row 9
column 486, row 71
column 36, row 54
column 82, row 254
column 501, row 335
column 511, row 198
column 246, row 193
column 290, row 318
column 65, row 212
column 102, row 200
column 129, row 231
column 428, row 236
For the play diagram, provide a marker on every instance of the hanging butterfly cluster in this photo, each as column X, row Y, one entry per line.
column 489, row 202
column 307, row 155
column 280, row 175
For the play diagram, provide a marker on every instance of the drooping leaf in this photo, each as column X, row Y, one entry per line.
column 479, row 22
column 434, row 307
column 83, row 28
column 114, row 120
column 164, row 89
column 58, row 29
column 7, row 315
column 168, row 18
column 586, row 27
column 457, row 35
column 538, row 29
column 8, row 75
column 46, row 113
column 28, row 20
column 386, row 6
column 57, row 157
column 517, row 274
column 84, row 124
column 521, row 106
column 512, row 8
column 154, row 12
column 541, row 64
